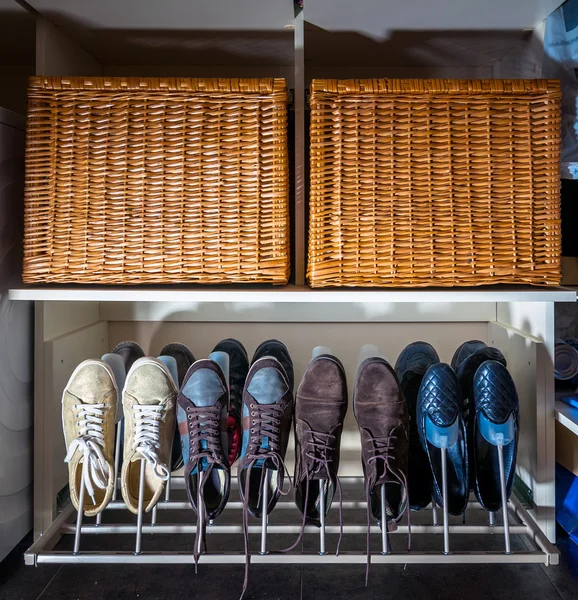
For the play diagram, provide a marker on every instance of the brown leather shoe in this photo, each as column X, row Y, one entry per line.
column 381, row 413
column 320, row 408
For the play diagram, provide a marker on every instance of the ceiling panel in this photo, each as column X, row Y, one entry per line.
column 379, row 18
column 170, row 14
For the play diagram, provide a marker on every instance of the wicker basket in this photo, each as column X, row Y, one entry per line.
column 156, row 180
column 434, row 183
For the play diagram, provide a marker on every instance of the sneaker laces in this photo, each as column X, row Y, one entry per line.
column 265, row 422
column 148, row 419
column 90, row 441
column 319, row 445
column 380, row 448
column 204, row 449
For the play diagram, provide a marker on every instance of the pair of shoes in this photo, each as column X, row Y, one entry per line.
column 381, row 414
column 208, row 428
column 466, row 410
column 89, row 409
column 492, row 414
column 219, row 420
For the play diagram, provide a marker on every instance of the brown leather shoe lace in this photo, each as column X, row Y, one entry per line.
column 204, row 445
column 265, row 422
column 319, row 446
column 381, row 448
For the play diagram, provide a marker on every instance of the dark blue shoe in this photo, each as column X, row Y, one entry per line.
column 238, row 369
column 410, row 368
column 440, row 424
column 184, row 359
column 466, row 361
column 496, row 422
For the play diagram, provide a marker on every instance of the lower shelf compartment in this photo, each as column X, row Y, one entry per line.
column 170, row 530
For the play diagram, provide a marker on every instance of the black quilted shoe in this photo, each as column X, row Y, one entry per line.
column 410, row 368
column 466, row 361
column 496, row 422
column 184, row 358
column 238, row 369
column 441, row 425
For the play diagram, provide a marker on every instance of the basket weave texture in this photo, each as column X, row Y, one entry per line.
column 434, row 182
column 132, row 180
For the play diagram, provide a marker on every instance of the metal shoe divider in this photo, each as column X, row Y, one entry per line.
column 71, row 522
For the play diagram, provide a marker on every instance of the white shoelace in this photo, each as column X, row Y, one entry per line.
column 90, row 441
column 147, row 436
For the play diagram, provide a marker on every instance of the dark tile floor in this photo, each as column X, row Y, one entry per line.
column 483, row 582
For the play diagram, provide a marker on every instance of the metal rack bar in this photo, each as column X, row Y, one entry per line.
column 521, row 521
column 119, row 528
column 401, row 558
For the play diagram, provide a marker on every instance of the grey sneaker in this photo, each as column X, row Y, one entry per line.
column 88, row 418
column 149, row 398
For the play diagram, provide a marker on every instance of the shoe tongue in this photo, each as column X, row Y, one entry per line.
column 267, row 386
column 203, row 388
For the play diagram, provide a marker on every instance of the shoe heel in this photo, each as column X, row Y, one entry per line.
column 443, row 438
column 500, row 435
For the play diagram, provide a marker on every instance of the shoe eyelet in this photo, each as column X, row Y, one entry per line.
column 252, row 431
column 251, row 406
column 252, row 414
column 190, row 417
column 188, row 409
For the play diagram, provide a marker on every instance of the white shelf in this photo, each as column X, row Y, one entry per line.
column 289, row 294
column 567, row 416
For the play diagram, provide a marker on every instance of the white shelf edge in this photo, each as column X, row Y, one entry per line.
column 289, row 294
column 567, row 416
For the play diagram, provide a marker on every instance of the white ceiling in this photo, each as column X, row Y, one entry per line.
column 17, row 34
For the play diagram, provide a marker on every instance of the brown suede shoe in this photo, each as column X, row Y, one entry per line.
column 320, row 408
column 381, row 413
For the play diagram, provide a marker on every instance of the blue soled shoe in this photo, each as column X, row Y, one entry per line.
column 411, row 366
column 440, row 424
column 267, row 414
column 496, row 421
column 466, row 361
column 202, row 410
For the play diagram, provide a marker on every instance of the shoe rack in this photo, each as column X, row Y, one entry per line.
column 74, row 323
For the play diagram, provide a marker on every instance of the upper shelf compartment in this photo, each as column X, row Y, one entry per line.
column 290, row 293
column 177, row 32
column 376, row 18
